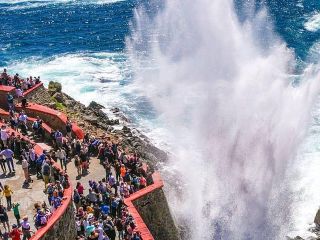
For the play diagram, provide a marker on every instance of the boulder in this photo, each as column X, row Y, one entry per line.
column 115, row 110
column 92, row 119
column 95, row 105
column 69, row 103
column 125, row 129
column 58, row 96
column 54, row 87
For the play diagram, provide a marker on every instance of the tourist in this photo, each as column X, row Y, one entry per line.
column 53, row 138
column 92, row 197
column 10, row 101
column 76, row 198
column 4, row 219
column 143, row 182
column 45, row 171
column 16, row 212
column 58, row 137
column 7, row 192
column 14, row 122
column 40, row 219
column 4, row 133
column 3, row 164
column 77, row 164
column 19, row 92
column 32, row 157
column 25, row 168
column 15, row 233
column 119, row 226
column 69, row 128
column 39, row 163
column 8, row 154
column 4, row 77
column 61, row 156
column 26, row 228
column 56, row 200
column 80, row 188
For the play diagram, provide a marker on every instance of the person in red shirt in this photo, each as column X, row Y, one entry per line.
column 80, row 188
column 143, row 182
column 15, row 233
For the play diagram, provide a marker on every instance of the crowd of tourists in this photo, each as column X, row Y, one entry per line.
column 100, row 210
column 17, row 81
column 101, row 213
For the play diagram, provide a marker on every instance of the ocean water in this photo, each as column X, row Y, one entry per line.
column 83, row 44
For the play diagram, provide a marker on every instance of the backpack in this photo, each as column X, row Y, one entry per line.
column 46, row 170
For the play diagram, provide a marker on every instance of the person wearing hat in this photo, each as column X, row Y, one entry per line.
column 15, row 233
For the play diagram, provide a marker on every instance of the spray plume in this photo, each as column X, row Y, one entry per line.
column 225, row 89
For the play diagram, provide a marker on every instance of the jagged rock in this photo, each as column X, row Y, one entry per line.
column 136, row 144
column 115, row 110
column 58, row 96
column 69, row 103
column 92, row 119
column 102, row 114
column 54, row 87
column 113, row 122
column 95, row 105
column 125, row 129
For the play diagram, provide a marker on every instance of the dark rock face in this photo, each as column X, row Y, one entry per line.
column 154, row 210
column 317, row 219
column 64, row 228
column 58, row 96
column 94, row 105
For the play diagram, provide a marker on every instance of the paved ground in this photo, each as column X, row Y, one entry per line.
column 27, row 197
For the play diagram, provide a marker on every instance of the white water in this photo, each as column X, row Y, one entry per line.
column 313, row 23
column 102, row 77
column 14, row 5
column 224, row 89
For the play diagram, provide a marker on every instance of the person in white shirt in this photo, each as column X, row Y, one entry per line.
column 4, row 134
column 25, row 168
column 23, row 117
column 19, row 92
column 62, row 156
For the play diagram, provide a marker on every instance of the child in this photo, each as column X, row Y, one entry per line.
column 15, row 208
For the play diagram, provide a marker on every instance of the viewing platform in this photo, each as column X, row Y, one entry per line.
column 142, row 205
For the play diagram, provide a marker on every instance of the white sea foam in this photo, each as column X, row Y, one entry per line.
column 313, row 23
column 102, row 77
column 13, row 5
column 236, row 120
column 83, row 75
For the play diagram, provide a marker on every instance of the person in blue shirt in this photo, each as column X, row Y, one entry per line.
column 39, row 162
column 105, row 209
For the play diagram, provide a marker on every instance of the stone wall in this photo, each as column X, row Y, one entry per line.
column 150, row 210
column 154, row 210
column 64, row 228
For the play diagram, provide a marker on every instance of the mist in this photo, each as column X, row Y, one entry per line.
column 236, row 110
